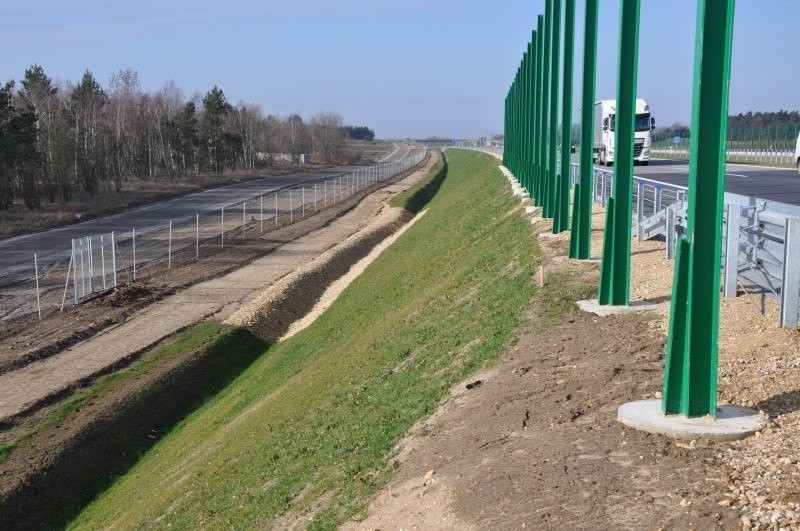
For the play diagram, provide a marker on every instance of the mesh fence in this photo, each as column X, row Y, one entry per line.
column 45, row 282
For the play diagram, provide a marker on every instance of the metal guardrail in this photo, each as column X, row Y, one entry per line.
column 93, row 264
column 761, row 247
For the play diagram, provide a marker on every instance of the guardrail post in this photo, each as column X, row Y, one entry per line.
column 671, row 236
column 790, row 283
column 581, row 235
column 731, row 268
column 615, row 267
column 690, row 374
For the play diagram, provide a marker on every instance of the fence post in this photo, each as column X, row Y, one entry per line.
column 70, row 269
column 731, row 269
column 615, row 268
column 291, row 213
column 197, row 236
column 114, row 256
column 304, row 200
column 790, row 283
column 222, row 227
column 83, row 272
column 690, row 373
column 276, row 210
column 261, row 212
column 133, row 231
column 103, row 260
column 169, row 251
column 36, row 274
column 244, row 218
column 325, row 194
column 91, row 264
column 315, row 197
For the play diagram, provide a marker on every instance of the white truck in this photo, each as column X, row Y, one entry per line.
column 605, row 112
column 797, row 154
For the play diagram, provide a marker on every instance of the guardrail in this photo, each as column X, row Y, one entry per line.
column 90, row 265
column 761, row 245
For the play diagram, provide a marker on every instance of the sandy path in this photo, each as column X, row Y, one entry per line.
column 215, row 299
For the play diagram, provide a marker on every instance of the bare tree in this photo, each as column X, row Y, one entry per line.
column 327, row 132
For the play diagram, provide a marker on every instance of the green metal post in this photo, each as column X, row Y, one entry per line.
column 548, row 97
column 561, row 214
column 534, row 96
column 615, row 271
column 552, row 163
column 541, row 97
column 690, row 375
column 581, row 236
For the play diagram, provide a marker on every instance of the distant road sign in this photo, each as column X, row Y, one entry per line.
column 677, row 140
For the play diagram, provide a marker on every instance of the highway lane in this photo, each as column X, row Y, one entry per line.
column 773, row 184
column 58, row 239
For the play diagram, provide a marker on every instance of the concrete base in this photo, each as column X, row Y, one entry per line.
column 548, row 235
column 593, row 306
column 587, row 260
column 536, row 219
column 533, row 209
column 732, row 422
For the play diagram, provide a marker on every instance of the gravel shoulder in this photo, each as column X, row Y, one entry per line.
column 534, row 442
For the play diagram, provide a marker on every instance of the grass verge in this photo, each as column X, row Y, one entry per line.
column 305, row 434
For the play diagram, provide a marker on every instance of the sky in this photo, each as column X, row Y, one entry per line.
column 405, row 68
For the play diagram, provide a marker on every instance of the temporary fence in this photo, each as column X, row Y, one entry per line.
column 91, row 265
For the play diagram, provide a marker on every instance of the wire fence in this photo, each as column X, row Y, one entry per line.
column 35, row 285
column 774, row 145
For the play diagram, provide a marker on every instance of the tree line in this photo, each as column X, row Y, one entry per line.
column 58, row 137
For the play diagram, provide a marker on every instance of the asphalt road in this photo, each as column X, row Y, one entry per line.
column 59, row 239
column 773, row 184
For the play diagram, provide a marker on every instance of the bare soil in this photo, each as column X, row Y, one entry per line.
column 534, row 441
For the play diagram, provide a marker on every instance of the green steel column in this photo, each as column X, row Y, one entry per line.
column 547, row 56
column 581, row 236
column 555, row 50
column 525, row 125
column 540, row 99
column 529, row 145
column 561, row 214
column 615, row 270
column 690, row 375
column 505, row 131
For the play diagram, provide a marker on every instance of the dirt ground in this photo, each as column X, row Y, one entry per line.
column 533, row 442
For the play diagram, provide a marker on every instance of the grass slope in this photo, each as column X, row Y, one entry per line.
column 305, row 434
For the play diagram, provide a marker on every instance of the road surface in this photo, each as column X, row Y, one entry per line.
column 58, row 239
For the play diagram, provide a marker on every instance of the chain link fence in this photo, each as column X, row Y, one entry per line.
column 92, row 265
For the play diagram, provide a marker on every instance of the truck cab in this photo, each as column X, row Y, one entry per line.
column 605, row 129
column 797, row 154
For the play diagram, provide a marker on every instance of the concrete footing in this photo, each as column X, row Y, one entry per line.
column 536, row 219
column 533, row 209
column 732, row 422
column 594, row 306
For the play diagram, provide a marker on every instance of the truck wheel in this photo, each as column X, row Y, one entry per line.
column 798, row 166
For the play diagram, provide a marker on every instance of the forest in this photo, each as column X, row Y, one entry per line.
column 57, row 137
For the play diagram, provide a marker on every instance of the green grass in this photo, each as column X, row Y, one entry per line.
column 307, row 430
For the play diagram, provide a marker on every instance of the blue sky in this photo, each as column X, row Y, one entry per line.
column 409, row 68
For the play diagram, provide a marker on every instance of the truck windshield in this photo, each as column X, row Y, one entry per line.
column 642, row 122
